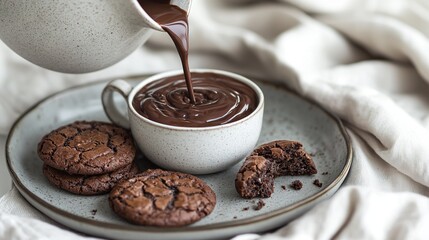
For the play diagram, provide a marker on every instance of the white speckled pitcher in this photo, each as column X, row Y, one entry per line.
column 76, row 36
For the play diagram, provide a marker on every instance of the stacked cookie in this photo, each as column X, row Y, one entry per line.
column 88, row 158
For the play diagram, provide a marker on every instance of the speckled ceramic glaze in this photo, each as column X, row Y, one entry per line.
column 75, row 36
column 202, row 150
column 287, row 116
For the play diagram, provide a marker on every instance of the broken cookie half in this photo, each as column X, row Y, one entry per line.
column 268, row 161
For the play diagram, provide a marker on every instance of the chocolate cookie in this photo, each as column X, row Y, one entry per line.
column 280, row 158
column 162, row 198
column 87, row 148
column 88, row 184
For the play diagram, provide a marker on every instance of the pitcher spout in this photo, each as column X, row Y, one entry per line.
column 149, row 22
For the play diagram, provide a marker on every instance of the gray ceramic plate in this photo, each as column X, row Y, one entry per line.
column 287, row 116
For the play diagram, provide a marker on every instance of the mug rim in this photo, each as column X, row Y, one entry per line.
column 235, row 76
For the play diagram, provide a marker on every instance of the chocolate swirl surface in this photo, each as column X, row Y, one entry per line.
column 218, row 100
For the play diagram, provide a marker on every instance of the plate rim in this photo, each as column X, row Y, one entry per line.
column 216, row 226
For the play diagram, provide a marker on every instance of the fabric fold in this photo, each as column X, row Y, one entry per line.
column 359, row 213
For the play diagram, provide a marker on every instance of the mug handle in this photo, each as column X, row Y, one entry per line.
column 110, row 108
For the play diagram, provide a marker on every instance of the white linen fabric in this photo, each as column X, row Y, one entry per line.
column 364, row 60
column 364, row 214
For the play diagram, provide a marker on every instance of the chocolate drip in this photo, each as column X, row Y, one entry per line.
column 174, row 21
column 218, row 100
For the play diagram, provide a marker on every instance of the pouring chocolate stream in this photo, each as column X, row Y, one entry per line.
column 204, row 100
column 174, row 21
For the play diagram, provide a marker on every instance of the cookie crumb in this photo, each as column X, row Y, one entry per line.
column 246, row 208
column 260, row 205
column 296, row 185
column 283, row 187
column 93, row 212
column 325, row 173
column 317, row 183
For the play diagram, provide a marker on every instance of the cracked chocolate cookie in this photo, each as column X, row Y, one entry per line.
column 89, row 184
column 162, row 198
column 87, row 148
column 279, row 158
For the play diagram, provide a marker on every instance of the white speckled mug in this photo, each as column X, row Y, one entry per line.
column 195, row 150
column 76, row 36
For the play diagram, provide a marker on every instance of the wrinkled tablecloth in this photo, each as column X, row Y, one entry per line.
column 366, row 61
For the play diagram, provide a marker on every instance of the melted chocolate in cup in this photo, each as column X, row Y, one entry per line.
column 174, row 21
column 204, row 100
column 219, row 100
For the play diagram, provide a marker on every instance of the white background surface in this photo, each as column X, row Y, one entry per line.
column 5, row 181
